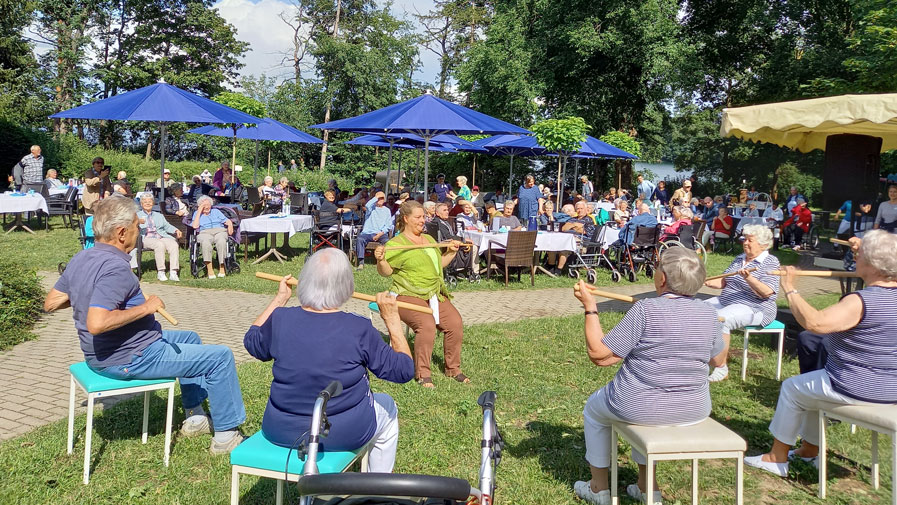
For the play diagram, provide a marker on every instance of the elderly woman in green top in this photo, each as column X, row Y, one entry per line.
column 417, row 279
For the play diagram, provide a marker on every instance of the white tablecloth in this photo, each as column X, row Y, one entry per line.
column 608, row 236
column 27, row 203
column 545, row 240
column 61, row 191
column 270, row 223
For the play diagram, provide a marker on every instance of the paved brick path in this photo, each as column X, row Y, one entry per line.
column 35, row 378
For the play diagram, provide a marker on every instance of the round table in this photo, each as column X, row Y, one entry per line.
column 274, row 224
column 18, row 204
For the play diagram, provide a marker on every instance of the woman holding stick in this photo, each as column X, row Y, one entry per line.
column 749, row 298
column 861, row 363
column 417, row 279
column 315, row 344
column 662, row 368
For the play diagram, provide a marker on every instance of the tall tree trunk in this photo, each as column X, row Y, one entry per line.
column 329, row 94
column 149, row 146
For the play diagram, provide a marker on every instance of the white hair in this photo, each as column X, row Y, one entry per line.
column 429, row 205
column 269, row 178
column 326, row 280
column 761, row 234
column 462, row 179
column 201, row 200
column 879, row 249
column 684, row 271
column 111, row 213
column 146, row 196
column 685, row 212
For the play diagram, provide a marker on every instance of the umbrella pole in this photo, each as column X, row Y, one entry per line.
column 426, row 165
column 389, row 164
column 473, row 178
column 162, row 132
column 255, row 166
column 576, row 175
column 233, row 164
column 417, row 170
column 511, row 175
column 399, row 168
column 558, row 197
column 269, row 161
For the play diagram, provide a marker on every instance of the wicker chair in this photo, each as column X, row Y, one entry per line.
column 518, row 253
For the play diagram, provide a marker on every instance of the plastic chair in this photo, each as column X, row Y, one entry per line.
column 99, row 386
column 773, row 327
column 373, row 307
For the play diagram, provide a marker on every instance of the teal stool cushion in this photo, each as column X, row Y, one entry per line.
column 374, row 307
column 257, row 452
column 775, row 325
column 94, row 382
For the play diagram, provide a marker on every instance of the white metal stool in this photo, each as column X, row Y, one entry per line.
column 707, row 439
column 99, row 386
column 776, row 327
column 879, row 419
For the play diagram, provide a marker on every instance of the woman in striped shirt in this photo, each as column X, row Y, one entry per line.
column 861, row 367
column 749, row 298
column 663, row 379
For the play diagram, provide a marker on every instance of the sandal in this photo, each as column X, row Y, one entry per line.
column 426, row 382
column 463, row 379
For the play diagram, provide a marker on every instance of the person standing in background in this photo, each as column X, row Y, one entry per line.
column 280, row 167
column 292, row 164
column 587, row 188
column 644, row 189
column 33, row 167
column 529, row 200
column 96, row 185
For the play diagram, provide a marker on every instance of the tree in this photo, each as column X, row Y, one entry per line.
column 245, row 104
column 20, row 96
column 561, row 136
column 627, row 143
column 450, row 30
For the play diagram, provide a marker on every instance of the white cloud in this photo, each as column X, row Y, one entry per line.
column 259, row 24
column 268, row 36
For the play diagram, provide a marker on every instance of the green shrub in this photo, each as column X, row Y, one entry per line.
column 21, row 300
column 316, row 180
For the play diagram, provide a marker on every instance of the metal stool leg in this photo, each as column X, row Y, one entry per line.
column 781, row 334
column 71, row 434
column 744, row 358
column 821, row 459
column 614, row 499
column 87, row 438
column 168, row 421
column 875, row 468
column 146, row 402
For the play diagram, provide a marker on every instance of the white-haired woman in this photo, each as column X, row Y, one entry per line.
column 682, row 216
column 317, row 343
column 861, row 366
column 157, row 235
column 749, row 298
column 662, row 368
column 429, row 211
column 271, row 195
column 213, row 228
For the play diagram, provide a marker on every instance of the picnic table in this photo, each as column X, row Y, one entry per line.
column 275, row 224
column 20, row 203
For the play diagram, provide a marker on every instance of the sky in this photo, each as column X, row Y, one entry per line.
column 258, row 23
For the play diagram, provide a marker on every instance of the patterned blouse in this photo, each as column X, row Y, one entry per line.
column 738, row 291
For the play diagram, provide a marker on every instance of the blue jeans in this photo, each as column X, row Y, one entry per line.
column 204, row 371
column 362, row 242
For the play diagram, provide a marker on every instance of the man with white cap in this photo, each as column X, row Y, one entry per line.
column 166, row 179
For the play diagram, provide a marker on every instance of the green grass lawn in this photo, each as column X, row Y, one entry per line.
column 542, row 377
column 46, row 250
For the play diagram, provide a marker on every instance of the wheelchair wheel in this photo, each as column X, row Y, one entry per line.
column 451, row 282
column 649, row 270
column 573, row 273
column 631, row 275
column 353, row 257
column 615, row 276
column 61, row 268
column 811, row 238
column 702, row 253
column 591, row 276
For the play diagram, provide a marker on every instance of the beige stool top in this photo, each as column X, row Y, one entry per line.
column 883, row 415
column 705, row 436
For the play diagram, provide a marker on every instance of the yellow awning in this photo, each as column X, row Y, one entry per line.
column 805, row 124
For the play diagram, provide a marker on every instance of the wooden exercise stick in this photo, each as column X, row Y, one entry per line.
column 614, row 296
column 730, row 274
column 816, row 273
column 840, row 242
column 357, row 295
column 440, row 245
column 164, row 313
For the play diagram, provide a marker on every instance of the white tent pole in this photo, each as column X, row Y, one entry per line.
column 163, row 133
column 426, row 164
column 389, row 163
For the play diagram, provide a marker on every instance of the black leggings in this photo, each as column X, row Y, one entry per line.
column 794, row 234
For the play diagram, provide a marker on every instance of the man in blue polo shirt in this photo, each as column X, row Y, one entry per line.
column 377, row 223
column 120, row 337
column 441, row 188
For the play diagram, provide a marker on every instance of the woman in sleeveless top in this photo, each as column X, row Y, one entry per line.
column 861, row 367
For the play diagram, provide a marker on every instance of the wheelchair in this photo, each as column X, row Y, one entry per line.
column 642, row 254
column 688, row 237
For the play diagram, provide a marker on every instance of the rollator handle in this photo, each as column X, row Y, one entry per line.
column 335, row 388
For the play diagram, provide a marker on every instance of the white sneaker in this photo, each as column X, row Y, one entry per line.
column 584, row 491
column 221, row 274
column 212, row 276
column 780, row 469
column 719, row 373
column 161, row 276
column 173, row 276
column 633, row 491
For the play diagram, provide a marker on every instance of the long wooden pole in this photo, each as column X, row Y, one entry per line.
column 164, row 313
column 356, row 295
column 840, row 242
column 816, row 273
column 614, row 296
column 730, row 274
column 440, row 245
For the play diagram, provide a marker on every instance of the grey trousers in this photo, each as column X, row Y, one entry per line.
column 206, row 238
column 159, row 246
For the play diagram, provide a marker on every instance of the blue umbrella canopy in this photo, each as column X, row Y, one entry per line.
column 379, row 141
column 444, row 139
column 500, row 145
column 159, row 103
column 590, row 147
column 426, row 116
column 266, row 129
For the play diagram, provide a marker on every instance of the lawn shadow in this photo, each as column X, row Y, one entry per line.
column 763, row 389
column 560, row 450
column 264, row 491
column 123, row 420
